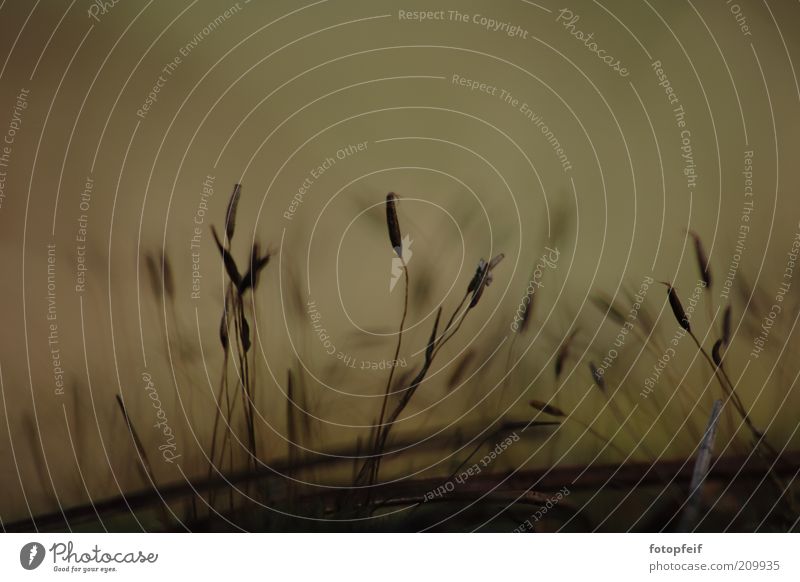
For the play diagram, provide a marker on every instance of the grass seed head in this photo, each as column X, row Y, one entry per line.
column 527, row 310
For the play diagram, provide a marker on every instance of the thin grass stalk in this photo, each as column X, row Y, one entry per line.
column 480, row 444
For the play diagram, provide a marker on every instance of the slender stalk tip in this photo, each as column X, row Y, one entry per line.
column 702, row 259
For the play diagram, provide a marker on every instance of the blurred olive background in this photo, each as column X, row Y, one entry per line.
column 263, row 95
